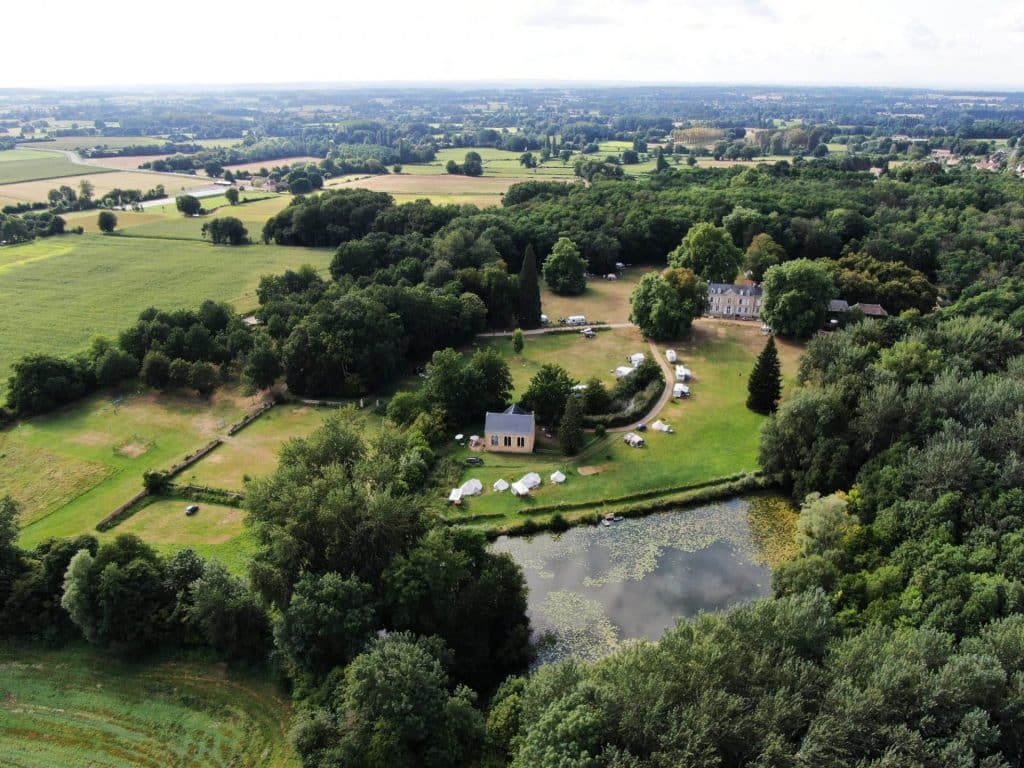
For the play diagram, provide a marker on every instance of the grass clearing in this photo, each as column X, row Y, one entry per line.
column 215, row 531
column 97, row 450
column 106, row 142
column 80, row 707
column 715, row 434
column 59, row 292
column 605, row 301
column 167, row 222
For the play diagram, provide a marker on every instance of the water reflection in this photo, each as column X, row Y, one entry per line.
column 592, row 587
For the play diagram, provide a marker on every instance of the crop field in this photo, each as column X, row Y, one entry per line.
column 78, row 707
column 26, row 165
column 103, row 181
column 71, row 468
column 108, row 280
column 111, row 142
column 604, row 301
column 124, row 162
column 715, row 434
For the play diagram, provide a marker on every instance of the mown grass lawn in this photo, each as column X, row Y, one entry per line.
column 604, row 301
column 57, row 293
column 69, row 469
column 215, row 532
column 715, row 434
column 78, row 707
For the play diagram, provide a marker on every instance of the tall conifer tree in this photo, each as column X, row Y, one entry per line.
column 529, row 291
column 765, row 385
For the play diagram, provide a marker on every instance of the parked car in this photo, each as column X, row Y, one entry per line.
column 474, row 461
column 588, row 333
column 191, row 509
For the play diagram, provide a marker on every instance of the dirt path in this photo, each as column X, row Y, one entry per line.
column 550, row 329
column 666, row 369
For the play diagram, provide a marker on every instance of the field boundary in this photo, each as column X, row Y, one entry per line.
column 666, row 499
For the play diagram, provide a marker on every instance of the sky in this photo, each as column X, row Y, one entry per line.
column 919, row 43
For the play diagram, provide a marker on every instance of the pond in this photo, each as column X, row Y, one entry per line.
column 593, row 587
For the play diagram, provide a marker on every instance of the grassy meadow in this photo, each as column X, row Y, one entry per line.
column 605, row 301
column 715, row 434
column 59, row 292
column 71, row 468
column 78, row 707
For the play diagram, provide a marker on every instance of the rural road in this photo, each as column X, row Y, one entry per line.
column 550, row 329
column 665, row 396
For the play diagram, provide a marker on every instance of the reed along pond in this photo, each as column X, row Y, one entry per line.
column 593, row 587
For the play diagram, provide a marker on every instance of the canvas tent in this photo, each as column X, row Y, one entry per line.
column 623, row 371
column 636, row 358
column 661, row 426
column 518, row 489
column 557, row 477
column 633, row 439
column 680, row 390
column 455, row 496
column 531, row 480
column 472, row 487
column 500, row 485
column 670, row 355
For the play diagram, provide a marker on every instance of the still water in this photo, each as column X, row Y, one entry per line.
column 594, row 586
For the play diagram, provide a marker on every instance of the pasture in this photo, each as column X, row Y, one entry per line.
column 715, row 434
column 26, row 165
column 103, row 181
column 69, row 469
column 80, row 707
column 108, row 280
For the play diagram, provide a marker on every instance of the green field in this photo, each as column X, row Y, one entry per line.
column 71, row 468
column 59, row 292
column 497, row 162
column 715, row 434
column 603, row 301
column 18, row 165
column 215, row 531
column 77, row 707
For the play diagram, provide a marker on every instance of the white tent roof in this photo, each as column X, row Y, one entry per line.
column 500, row 485
column 472, row 487
column 557, row 477
column 455, row 495
column 680, row 389
column 660, row 426
column 530, row 480
column 518, row 489
column 637, row 357
column 670, row 354
column 623, row 370
column 682, row 372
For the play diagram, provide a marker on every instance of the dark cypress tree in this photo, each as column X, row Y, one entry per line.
column 662, row 163
column 529, row 291
column 765, row 385
column 570, row 430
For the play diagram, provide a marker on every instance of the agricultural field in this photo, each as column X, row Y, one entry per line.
column 497, row 162
column 108, row 142
column 79, row 707
column 69, row 469
column 103, row 181
column 169, row 224
column 715, row 434
column 26, row 165
column 108, row 280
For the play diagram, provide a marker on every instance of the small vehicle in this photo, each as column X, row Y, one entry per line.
column 606, row 522
column 588, row 333
column 191, row 509
column 544, row 320
column 641, row 427
column 474, row 461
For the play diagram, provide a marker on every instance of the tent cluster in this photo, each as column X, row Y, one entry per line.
column 520, row 487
